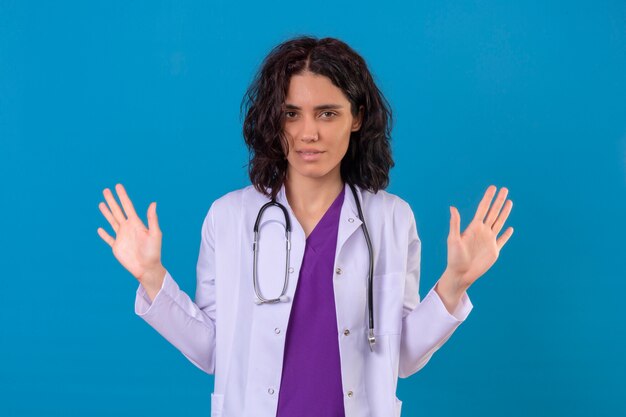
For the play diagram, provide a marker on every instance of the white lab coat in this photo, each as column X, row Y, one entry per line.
column 225, row 333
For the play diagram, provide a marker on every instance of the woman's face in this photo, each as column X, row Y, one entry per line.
column 317, row 124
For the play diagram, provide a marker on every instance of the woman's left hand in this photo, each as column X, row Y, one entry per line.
column 473, row 252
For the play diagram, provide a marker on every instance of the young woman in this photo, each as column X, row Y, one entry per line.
column 307, row 298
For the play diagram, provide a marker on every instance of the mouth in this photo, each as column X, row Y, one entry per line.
column 310, row 155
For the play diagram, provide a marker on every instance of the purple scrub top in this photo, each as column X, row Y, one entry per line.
column 311, row 378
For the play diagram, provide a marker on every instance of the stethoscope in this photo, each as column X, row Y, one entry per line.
column 284, row 298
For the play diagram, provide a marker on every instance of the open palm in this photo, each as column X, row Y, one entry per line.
column 473, row 252
column 136, row 247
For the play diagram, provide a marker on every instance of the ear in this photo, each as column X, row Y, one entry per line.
column 356, row 123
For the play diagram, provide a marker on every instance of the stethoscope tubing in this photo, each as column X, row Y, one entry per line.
column 283, row 297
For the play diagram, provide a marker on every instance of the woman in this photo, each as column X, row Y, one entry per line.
column 318, row 327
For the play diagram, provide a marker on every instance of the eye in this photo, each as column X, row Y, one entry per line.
column 329, row 113
column 288, row 113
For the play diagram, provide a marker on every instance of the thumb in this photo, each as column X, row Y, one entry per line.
column 455, row 223
column 153, row 221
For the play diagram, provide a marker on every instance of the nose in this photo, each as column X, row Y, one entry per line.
column 309, row 138
column 309, row 130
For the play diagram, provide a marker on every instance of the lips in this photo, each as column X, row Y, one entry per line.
column 310, row 155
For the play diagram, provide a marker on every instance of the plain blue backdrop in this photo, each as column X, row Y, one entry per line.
column 528, row 95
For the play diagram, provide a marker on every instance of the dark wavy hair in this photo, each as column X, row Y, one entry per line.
column 368, row 159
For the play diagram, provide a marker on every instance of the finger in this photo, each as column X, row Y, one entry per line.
column 504, row 214
column 115, row 209
column 126, row 203
column 105, row 236
column 107, row 215
column 504, row 237
column 455, row 223
column 484, row 203
column 153, row 221
column 497, row 205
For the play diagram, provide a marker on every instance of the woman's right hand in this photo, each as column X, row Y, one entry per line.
column 136, row 247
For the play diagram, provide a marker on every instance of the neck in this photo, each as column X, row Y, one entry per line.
column 312, row 195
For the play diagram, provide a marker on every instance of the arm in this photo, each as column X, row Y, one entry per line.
column 428, row 324
column 189, row 326
column 470, row 255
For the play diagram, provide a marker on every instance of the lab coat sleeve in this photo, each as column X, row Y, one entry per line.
column 188, row 325
column 426, row 325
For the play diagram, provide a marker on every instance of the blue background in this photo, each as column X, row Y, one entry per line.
column 528, row 95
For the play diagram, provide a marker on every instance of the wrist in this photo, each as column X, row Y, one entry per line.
column 450, row 286
column 153, row 277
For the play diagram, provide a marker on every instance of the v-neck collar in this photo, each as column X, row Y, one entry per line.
column 349, row 213
column 324, row 228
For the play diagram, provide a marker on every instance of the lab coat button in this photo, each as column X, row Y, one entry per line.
column 291, row 270
column 338, row 271
column 346, row 332
column 270, row 391
column 351, row 220
column 350, row 394
column 277, row 330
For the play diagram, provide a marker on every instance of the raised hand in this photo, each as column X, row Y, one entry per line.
column 473, row 252
column 136, row 247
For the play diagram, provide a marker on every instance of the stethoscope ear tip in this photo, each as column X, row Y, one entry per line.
column 284, row 298
column 257, row 301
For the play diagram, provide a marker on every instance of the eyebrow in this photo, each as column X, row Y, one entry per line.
column 320, row 107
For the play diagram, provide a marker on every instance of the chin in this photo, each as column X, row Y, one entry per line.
column 312, row 173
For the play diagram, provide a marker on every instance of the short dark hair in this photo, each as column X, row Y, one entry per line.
column 368, row 159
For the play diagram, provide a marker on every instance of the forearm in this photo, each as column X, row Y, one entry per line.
column 181, row 321
column 426, row 329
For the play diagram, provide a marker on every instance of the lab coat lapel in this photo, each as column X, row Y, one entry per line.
column 349, row 220
column 349, row 285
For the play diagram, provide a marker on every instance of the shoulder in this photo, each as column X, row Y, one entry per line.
column 393, row 214
column 233, row 202
column 232, row 198
column 387, row 203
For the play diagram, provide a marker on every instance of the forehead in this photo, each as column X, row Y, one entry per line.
column 308, row 89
